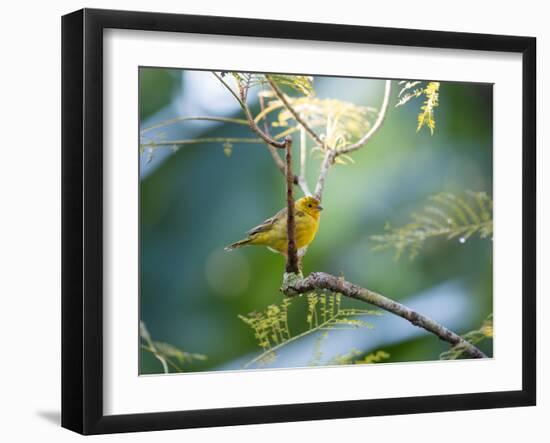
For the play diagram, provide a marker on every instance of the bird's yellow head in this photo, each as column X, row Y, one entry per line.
column 309, row 205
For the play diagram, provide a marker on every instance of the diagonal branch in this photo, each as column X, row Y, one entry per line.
column 272, row 143
column 194, row 141
column 328, row 161
column 273, row 151
column 293, row 111
column 324, row 281
column 330, row 155
column 302, row 180
column 241, row 98
column 278, row 161
column 379, row 120
column 238, row 121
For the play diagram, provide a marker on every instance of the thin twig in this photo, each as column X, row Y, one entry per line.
column 273, row 151
column 330, row 154
column 144, row 334
column 255, row 128
column 379, row 120
column 271, row 142
column 230, row 89
column 239, row 121
column 302, row 180
column 319, row 327
column 292, row 255
column 324, row 281
column 194, row 141
column 293, row 111
column 163, row 360
column 241, row 98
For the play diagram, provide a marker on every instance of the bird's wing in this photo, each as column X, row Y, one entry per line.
column 267, row 224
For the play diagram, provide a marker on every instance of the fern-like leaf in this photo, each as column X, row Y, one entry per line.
column 448, row 216
column 317, row 353
column 474, row 337
column 430, row 91
column 345, row 359
column 299, row 83
column 339, row 123
column 324, row 313
column 350, row 358
column 167, row 354
column 373, row 357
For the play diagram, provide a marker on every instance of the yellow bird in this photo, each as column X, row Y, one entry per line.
column 272, row 232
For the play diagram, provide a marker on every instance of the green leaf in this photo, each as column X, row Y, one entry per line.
column 338, row 123
column 373, row 357
column 298, row 83
column 474, row 337
column 324, row 312
column 227, row 149
column 414, row 89
column 449, row 217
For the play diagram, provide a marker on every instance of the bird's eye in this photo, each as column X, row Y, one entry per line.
column 309, row 205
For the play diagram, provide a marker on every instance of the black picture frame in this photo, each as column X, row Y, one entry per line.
column 82, row 220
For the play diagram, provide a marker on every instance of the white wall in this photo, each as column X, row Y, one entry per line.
column 30, row 217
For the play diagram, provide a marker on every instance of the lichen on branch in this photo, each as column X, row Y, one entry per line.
column 319, row 281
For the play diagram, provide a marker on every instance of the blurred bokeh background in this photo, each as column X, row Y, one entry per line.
column 196, row 199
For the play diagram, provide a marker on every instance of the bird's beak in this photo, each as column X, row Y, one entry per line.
column 320, row 207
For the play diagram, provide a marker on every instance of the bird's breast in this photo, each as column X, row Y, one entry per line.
column 306, row 228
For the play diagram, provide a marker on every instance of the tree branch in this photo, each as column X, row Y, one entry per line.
column 323, row 281
column 292, row 255
column 293, row 111
column 272, row 143
column 273, row 151
column 302, row 180
column 171, row 121
column 241, row 98
column 224, row 83
column 330, row 155
column 379, row 120
column 195, row 141
column 278, row 161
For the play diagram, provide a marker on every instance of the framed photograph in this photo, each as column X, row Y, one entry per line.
column 270, row 221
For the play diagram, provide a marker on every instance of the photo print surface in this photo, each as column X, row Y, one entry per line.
column 383, row 186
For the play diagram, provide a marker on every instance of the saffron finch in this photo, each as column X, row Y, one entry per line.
column 273, row 232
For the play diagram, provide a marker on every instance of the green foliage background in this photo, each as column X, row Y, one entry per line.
column 196, row 200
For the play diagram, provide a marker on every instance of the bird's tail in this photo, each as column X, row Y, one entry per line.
column 238, row 244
